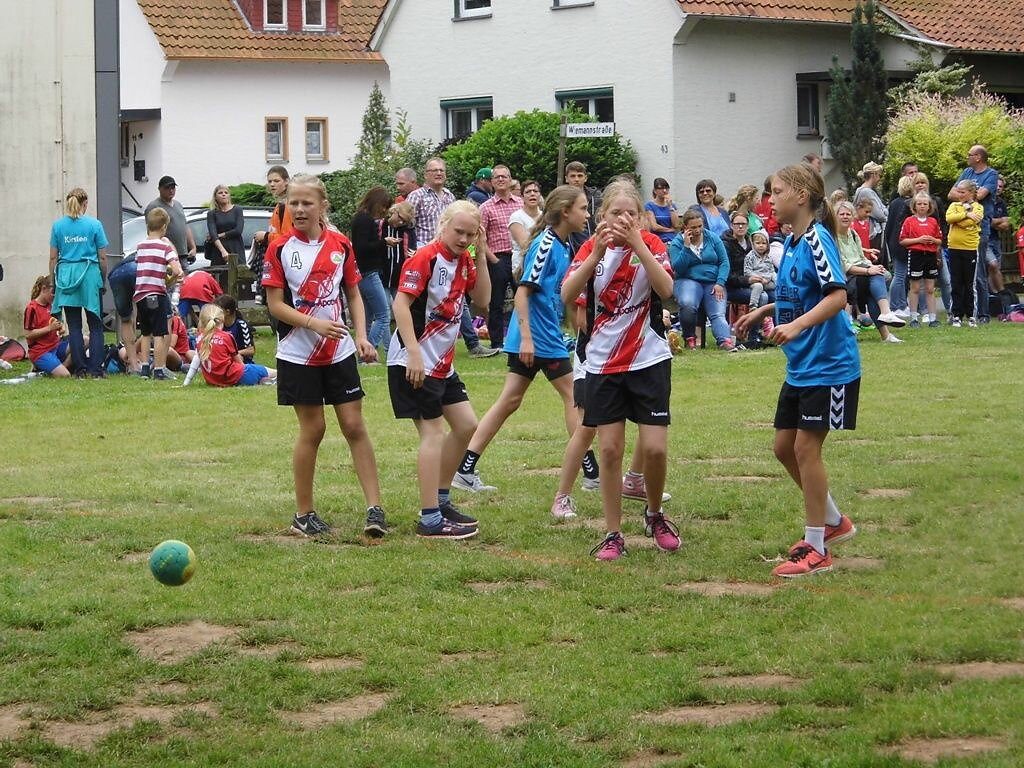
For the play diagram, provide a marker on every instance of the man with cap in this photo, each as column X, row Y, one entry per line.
column 177, row 230
column 480, row 191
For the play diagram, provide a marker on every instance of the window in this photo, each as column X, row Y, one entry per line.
column 316, row 139
column 313, row 14
column 570, row 3
column 275, row 14
column 465, row 116
column 468, row 9
column 596, row 102
column 807, row 109
column 276, row 138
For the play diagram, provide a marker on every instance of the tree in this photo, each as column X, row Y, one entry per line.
column 857, row 104
column 928, row 78
column 376, row 136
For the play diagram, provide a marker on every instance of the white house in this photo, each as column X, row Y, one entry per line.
column 217, row 91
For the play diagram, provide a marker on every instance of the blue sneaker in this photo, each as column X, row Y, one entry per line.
column 453, row 514
column 445, row 530
column 146, row 371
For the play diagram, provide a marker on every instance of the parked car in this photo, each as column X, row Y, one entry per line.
column 129, row 213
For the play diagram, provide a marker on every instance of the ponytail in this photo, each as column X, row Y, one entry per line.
column 802, row 176
column 210, row 318
column 74, row 203
column 37, row 287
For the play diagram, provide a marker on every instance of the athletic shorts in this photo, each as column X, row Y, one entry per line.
column 253, row 375
column 53, row 359
column 554, row 368
column 923, row 264
column 579, row 392
column 818, row 409
column 639, row 396
column 427, row 402
column 123, row 292
column 154, row 311
column 299, row 384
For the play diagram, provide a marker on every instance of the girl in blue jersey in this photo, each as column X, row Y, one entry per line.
column 534, row 342
column 822, row 363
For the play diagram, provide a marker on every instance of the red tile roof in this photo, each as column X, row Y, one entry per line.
column 216, row 29
column 980, row 25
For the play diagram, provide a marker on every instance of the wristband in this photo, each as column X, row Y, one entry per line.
column 309, row 320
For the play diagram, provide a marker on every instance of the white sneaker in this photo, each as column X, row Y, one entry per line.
column 591, row 484
column 471, row 483
column 563, row 508
column 902, row 313
column 891, row 339
column 972, row 323
column 893, row 319
column 955, row 322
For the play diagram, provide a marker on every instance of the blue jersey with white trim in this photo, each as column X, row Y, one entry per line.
column 826, row 354
column 544, row 266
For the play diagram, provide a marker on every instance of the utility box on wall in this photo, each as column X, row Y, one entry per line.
column 140, row 170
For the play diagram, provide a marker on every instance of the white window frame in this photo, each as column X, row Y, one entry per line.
column 462, row 12
column 586, row 99
column 284, row 16
column 323, row 16
column 324, row 155
column 282, row 156
column 474, row 106
column 814, row 91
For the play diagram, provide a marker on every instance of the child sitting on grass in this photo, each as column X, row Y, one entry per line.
column 218, row 357
column 46, row 349
column 237, row 326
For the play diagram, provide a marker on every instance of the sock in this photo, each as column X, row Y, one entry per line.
column 431, row 518
column 443, row 496
column 816, row 538
column 635, row 475
column 832, row 514
column 468, row 465
column 914, row 316
column 590, row 468
column 648, row 514
column 931, row 317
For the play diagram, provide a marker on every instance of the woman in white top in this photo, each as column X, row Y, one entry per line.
column 521, row 223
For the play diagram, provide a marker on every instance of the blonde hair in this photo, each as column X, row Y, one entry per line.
column 845, row 205
column 804, row 177
column 156, row 220
column 620, row 188
column 838, row 196
column 905, row 186
column 919, row 177
column 760, row 234
column 308, row 180
column 211, row 317
column 218, row 188
column 453, row 210
column 74, row 203
column 557, row 201
column 41, row 282
column 745, row 195
column 871, row 168
column 405, row 211
column 927, row 198
column 967, row 185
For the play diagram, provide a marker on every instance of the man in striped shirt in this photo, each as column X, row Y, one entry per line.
column 494, row 216
column 154, row 258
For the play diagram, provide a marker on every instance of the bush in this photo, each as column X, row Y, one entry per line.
column 251, row 194
column 527, row 142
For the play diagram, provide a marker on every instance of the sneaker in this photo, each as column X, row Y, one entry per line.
column 664, row 533
column 856, row 330
column 309, row 524
column 893, row 339
column 481, row 351
column 865, row 321
column 915, row 324
column 893, row 319
column 728, row 346
column 984, row 320
column 837, row 534
column 164, row 375
column 146, row 371
column 902, row 313
column 563, row 508
column 956, row 323
column 470, row 481
column 691, row 342
column 446, row 530
column 612, row 547
column 453, row 514
column 803, row 560
column 972, row 323
column 376, row 526
column 636, row 489
column 934, row 324
column 591, row 484
column 767, row 327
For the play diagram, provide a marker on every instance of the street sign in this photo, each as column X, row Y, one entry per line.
column 589, row 130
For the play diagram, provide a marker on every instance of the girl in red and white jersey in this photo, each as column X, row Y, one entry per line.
column 311, row 278
column 217, row 356
column 624, row 274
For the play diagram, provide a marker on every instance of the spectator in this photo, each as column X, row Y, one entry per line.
column 576, row 174
column 122, row 287
column 238, row 327
column 743, row 202
column 764, row 209
column 861, row 225
column 965, row 217
column 494, row 219
column 701, row 267
column 481, row 189
column 371, row 251
column 814, row 161
column 715, row 217
column 921, row 184
column 177, row 230
column 521, row 223
column 405, row 183
column 899, row 210
column 1000, row 222
column 155, row 259
column 224, row 223
column 760, row 274
column 987, row 181
column 399, row 231
column 777, row 243
column 871, row 176
column 837, row 196
column 78, row 264
column 46, row 349
column 179, row 350
column 909, row 169
column 218, row 359
column 737, row 245
column 515, row 188
column 198, row 288
column 281, row 217
column 660, row 214
column 922, row 237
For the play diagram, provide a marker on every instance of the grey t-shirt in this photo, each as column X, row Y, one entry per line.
column 176, row 227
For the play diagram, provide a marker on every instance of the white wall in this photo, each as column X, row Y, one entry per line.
column 141, row 58
column 144, row 143
column 526, row 51
column 49, row 129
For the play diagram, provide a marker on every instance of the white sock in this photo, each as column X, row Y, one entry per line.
column 931, row 317
column 914, row 316
column 816, row 538
column 832, row 514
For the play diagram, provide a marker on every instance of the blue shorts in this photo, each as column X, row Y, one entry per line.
column 54, row 359
column 252, row 375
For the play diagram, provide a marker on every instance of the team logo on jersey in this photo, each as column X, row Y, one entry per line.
column 465, row 273
column 634, row 259
column 617, row 294
column 337, row 257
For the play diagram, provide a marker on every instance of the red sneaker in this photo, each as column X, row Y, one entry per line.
column 767, row 326
column 804, row 560
column 837, row 534
column 662, row 530
column 691, row 342
column 611, row 548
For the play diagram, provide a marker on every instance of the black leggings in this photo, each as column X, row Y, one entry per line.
column 961, row 276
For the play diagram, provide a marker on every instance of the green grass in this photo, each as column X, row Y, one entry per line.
column 588, row 651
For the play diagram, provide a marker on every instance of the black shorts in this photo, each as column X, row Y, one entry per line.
column 300, row 384
column 923, row 264
column 553, row 367
column 427, row 402
column 154, row 312
column 640, row 396
column 579, row 392
column 123, row 292
column 818, row 409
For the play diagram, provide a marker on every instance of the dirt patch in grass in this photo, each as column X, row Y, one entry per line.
column 11, row 721
column 1014, row 602
column 169, row 690
column 648, row 759
column 347, row 711
column 926, row 438
column 332, row 663
column 134, row 557
column 715, row 460
column 488, row 587
column 278, row 537
column 493, row 717
column 84, row 734
column 270, row 650
column 712, row 715
column 727, row 588
column 885, row 493
column 858, row 563
column 982, row 670
column 457, row 656
column 932, row 750
column 169, row 645
column 545, row 471
column 759, row 424
column 741, row 478
column 762, row 681
column 593, row 523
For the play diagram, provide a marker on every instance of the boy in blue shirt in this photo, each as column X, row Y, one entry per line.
column 822, row 362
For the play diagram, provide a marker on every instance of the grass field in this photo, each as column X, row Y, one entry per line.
column 517, row 649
